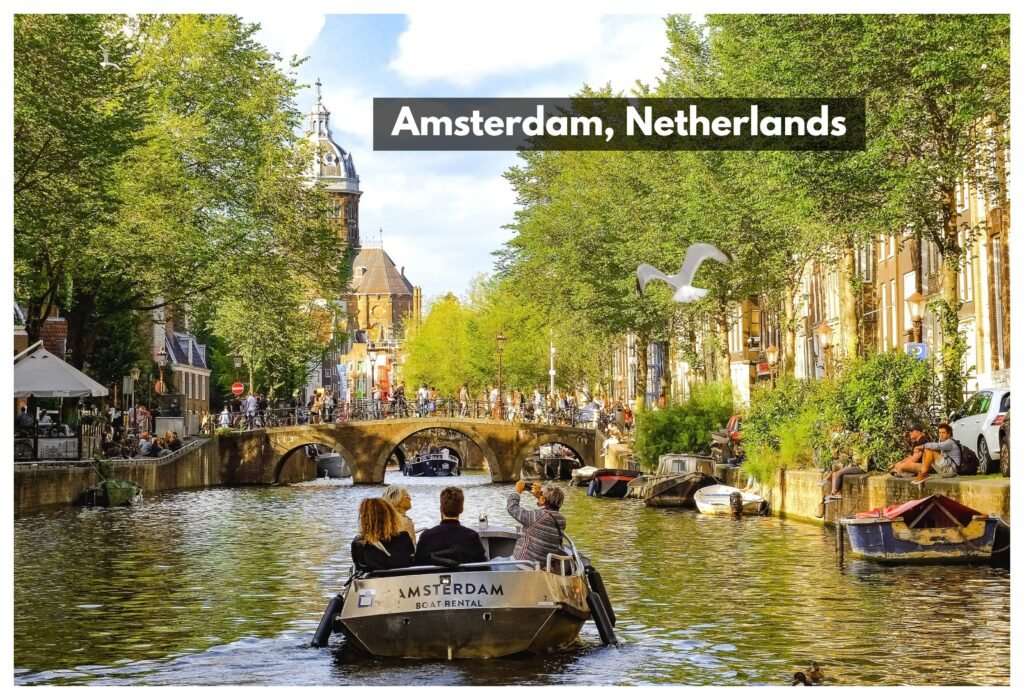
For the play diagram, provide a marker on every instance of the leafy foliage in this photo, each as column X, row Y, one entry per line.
column 684, row 427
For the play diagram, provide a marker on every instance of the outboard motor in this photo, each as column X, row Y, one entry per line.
column 736, row 504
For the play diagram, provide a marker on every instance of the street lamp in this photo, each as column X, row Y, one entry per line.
column 915, row 302
column 134, row 373
column 824, row 332
column 371, row 354
column 772, row 354
column 237, row 358
column 500, row 339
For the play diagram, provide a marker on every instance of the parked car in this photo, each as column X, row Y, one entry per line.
column 1004, row 445
column 976, row 424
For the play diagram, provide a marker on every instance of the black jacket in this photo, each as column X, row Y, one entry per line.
column 368, row 557
column 451, row 542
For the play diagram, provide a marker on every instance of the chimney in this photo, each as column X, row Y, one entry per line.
column 402, row 272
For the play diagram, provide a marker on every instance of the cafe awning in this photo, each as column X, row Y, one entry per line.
column 38, row 372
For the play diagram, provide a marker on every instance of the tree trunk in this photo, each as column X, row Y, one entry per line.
column 642, row 341
column 722, row 357
column 953, row 345
column 848, row 306
column 789, row 333
column 81, row 320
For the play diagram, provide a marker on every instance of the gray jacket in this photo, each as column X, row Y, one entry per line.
column 540, row 535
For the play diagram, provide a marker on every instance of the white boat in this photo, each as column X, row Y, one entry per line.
column 717, row 500
column 582, row 476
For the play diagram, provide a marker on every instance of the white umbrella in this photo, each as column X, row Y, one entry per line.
column 39, row 373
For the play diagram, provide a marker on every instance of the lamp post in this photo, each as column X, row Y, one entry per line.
column 160, row 387
column 824, row 332
column 237, row 359
column 500, row 339
column 915, row 302
column 551, row 372
column 134, row 373
column 772, row 354
column 371, row 355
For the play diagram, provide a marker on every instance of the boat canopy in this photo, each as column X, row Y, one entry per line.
column 941, row 510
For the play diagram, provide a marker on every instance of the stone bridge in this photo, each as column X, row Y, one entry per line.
column 259, row 456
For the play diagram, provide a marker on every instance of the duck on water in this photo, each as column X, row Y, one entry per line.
column 506, row 602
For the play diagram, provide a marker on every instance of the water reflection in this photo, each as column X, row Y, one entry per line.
column 225, row 586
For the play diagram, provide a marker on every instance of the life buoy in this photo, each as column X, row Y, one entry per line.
column 326, row 626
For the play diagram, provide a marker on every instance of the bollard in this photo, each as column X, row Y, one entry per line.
column 840, row 543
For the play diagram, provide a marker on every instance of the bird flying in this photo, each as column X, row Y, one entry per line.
column 105, row 63
column 682, row 281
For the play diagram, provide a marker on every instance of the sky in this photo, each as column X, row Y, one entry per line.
column 442, row 213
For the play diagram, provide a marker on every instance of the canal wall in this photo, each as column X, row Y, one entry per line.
column 797, row 493
column 203, row 463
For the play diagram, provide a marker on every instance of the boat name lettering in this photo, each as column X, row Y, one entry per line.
column 448, row 604
column 432, row 589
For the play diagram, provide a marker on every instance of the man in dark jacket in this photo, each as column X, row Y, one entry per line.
column 450, row 542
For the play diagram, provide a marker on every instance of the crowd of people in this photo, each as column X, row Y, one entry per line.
column 387, row 536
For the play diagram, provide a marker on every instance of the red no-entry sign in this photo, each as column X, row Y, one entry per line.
column 237, row 388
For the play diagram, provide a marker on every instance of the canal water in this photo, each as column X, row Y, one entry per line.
column 226, row 586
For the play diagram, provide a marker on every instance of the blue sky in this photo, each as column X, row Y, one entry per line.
column 442, row 213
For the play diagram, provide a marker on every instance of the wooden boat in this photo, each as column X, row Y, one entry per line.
column 717, row 500
column 931, row 529
column 677, row 491
column 432, row 465
column 611, row 483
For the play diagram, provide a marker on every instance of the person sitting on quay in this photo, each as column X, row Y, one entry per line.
column 843, row 459
column 911, row 464
column 943, row 456
column 450, row 543
column 381, row 542
column 160, row 448
column 543, row 526
column 145, row 445
column 173, row 441
column 399, row 498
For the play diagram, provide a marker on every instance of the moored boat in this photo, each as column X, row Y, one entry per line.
column 583, row 476
column 611, row 483
column 676, row 491
column 928, row 530
column 471, row 611
column 552, row 468
column 332, row 465
column 718, row 500
column 432, row 465
column 667, row 479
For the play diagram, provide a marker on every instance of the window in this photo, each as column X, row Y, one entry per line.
column 881, row 247
column 885, row 316
column 892, row 246
column 984, row 400
column 894, row 337
column 909, row 287
column 966, row 276
column 997, row 298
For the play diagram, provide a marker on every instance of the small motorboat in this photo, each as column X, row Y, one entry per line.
column 611, row 483
column 677, row 491
column 582, row 476
column 719, row 500
column 667, row 486
column 111, row 492
column 931, row 529
column 432, row 465
column 333, row 466
column 470, row 611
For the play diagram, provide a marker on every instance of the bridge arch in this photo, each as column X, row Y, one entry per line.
column 393, row 443
column 334, row 444
column 543, row 439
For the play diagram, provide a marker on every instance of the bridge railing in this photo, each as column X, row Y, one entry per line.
column 369, row 409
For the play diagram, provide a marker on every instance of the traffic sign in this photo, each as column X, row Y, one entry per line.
column 919, row 351
column 237, row 388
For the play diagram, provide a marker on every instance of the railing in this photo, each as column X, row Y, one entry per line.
column 368, row 409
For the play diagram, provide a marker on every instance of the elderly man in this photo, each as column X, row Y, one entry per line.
column 543, row 526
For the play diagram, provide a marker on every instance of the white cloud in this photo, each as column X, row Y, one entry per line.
column 288, row 33
column 464, row 48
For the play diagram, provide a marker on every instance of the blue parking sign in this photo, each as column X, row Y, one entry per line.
column 919, row 351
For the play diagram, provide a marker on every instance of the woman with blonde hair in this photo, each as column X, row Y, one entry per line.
column 381, row 543
column 400, row 499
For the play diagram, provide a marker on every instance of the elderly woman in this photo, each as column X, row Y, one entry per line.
column 381, row 543
column 543, row 526
column 398, row 497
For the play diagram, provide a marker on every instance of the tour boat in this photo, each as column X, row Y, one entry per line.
column 432, row 465
column 718, row 500
column 931, row 529
column 611, row 483
column 471, row 611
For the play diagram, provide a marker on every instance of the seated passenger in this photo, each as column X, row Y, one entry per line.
column 381, row 543
column 398, row 497
column 542, row 527
column 450, row 543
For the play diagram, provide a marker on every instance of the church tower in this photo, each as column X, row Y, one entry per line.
column 333, row 166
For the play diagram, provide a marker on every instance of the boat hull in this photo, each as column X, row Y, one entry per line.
column 894, row 542
column 463, row 614
column 715, row 501
column 434, row 466
column 611, row 483
column 550, row 468
column 334, row 466
column 676, row 491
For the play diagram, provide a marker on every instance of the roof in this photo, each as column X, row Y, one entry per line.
column 38, row 372
column 381, row 276
column 54, row 334
column 177, row 350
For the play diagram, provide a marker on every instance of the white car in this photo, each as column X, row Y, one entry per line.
column 976, row 424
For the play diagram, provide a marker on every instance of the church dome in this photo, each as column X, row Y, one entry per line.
column 332, row 164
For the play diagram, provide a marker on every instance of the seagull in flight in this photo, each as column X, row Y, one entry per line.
column 682, row 280
column 105, row 63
